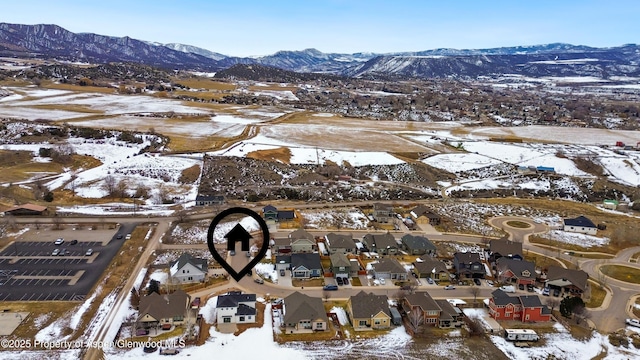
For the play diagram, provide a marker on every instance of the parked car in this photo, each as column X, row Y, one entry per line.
column 166, row 326
column 345, row 281
column 545, row 291
column 196, row 302
column 73, row 242
column 530, row 287
column 330, row 287
column 633, row 322
column 556, row 292
column 248, row 253
column 430, row 280
column 258, row 281
column 489, row 282
column 381, row 281
column 281, row 272
column 89, row 252
column 449, row 287
column 59, row 241
column 127, row 237
column 339, row 281
column 119, row 237
column 476, row 281
column 170, row 351
column 55, row 252
column 508, row 288
column 142, row 332
column 62, row 252
column 521, row 286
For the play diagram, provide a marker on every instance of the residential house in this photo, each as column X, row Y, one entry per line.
column 468, row 265
column 155, row 310
column 450, row 315
column 208, row 200
column 283, row 262
column 504, row 248
column 340, row 265
column 515, row 271
column 286, row 215
column 389, row 268
column 525, row 308
column 432, row 268
column 304, row 266
column 188, row 269
column 369, row 311
column 236, row 307
column 383, row 244
column 423, row 303
column 270, row 212
column 27, row 210
column 581, row 224
column 570, row 281
column 417, row 245
column 304, row 314
column 302, row 242
column 423, row 215
column 282, row 246
column 342, row 243
column 383, row 213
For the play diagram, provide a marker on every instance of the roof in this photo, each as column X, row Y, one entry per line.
column 581, row 221
column 340, row 241
column 530, row 301
column 269, row 208
column 421, row 210
column 298, row 306
column 424, row 300
column 245, row 310
column 380, row 241
column 282, row 242
column 310, row 261
column 382, row 206
column 505, row 247
column 232, row 300
column 32, row 207
column 301, row 234
column 389, row 265
column 467, row 257
column 365, row 305
column 339, row 259
column 185, row 259
column 518, row 267
column 283, row 259
column 164, row 306
column 448, row 311
column 430, row 265
column 502, row 298
column 417, row 242
column 286, row 214
column 576, row 277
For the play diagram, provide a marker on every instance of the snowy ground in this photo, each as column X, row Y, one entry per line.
column 583, row 240
column 348, row 219
column 267, row 271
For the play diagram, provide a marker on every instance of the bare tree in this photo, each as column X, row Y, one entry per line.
column 474, row 325
column 553, row 303
column 121, row 189
column 109, row 185
column 474, row 290
column 416, row 319
column 181, row 216
column 326, row 295
column 57, row 223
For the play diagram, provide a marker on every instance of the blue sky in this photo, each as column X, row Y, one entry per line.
column 255, row 27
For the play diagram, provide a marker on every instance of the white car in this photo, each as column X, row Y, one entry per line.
column 89, row 252
column 59, row 241
column 633, row 322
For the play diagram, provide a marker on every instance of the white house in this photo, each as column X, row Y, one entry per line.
column 236, row 307
column 188, row 269
column 581, row 224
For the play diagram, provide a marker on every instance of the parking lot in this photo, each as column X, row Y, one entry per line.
column 29, row 270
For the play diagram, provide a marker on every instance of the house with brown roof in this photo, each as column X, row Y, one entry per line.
column 281, row 246
column 304, row 314
column 570, row 281
column 156, row 310
column 504, row 248
column 369, row 311
column 515, row 271
column 424, row 303
column 383, row 244
column 302, row 242
column 342, row 243
column 389, row 268
column 468, row 265
column 423, row 215
column 450, row 315
column 429, row 267
column 27, row 210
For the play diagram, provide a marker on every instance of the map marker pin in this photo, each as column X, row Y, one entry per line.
column 241, row 235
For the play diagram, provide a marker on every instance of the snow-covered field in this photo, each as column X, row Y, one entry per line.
column 583, row 240
column 347, row 219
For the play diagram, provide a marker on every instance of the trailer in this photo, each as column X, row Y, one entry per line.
column 521, row 335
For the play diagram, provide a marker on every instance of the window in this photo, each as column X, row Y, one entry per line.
column 527, row 317
column 226, row 319
column 507, row 314
column 241, row 318
column 377, row 322
column 362, row 323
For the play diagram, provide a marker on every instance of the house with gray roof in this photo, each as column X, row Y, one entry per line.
column 450, row 315
column 468, row 265
column 383, row 213
column 423, row 215
column 369, row 311
column 340, row 265
column 304, row 314
column 417, row 245
column 302, row 242
column 515, row 271
column 304, row 266
column 570, row 281
column 389, row 268
column 342, row 243
column 429, row 267
column 155, row 310
column 236, row 307
column 281, row 246
column 504, row 248
column 208, row 200
column 383, row 244
column 188, row 269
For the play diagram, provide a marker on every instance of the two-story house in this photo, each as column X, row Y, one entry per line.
column 383, row 244
column 383, row 213
column 304, row 314
column 515, row 271
column 569, row 281
column 302, row 242
column 156, row 310
column 236, row 307
column 340, row 265
column 468, row 265
column 429, row 267
column 426, row 307
column 504, row 248
column 526, row 308
column 423, row 215
column 188, row 269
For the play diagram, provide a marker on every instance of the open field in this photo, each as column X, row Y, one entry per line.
column 622, row 273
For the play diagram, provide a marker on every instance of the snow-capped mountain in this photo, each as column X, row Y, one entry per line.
column 195, row 50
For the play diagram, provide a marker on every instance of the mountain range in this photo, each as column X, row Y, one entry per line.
column 558, row 59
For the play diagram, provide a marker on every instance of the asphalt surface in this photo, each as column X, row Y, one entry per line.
column 29, row 271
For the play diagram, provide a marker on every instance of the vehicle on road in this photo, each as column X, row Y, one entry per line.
column 508, row 288
column 330, row 287
column 258, row 281
column 73, row 242
column 449, row 287
column 477, row 281
column 59, row 241
column 89, row 252
column 119, row 237
column 127, row 237
column 55, row 252
column 633, row 322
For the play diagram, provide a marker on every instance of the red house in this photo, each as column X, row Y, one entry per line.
column 516, row 271
column 526, row 308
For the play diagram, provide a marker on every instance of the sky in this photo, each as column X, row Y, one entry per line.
column 262, row 27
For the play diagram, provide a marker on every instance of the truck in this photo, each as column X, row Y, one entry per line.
column 521, row 335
